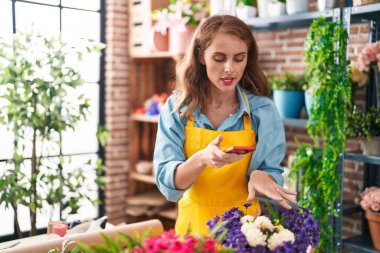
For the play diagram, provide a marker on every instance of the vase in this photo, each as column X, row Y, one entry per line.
column 160, row 42
column 180, row 38
column 374, row 227
column 297, row 6
column 371, row 147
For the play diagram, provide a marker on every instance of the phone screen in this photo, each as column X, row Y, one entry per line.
column 240, row 149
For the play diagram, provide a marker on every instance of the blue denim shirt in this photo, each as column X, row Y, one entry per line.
column 265, row 120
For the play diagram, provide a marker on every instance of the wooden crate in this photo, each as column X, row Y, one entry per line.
column 140, row 24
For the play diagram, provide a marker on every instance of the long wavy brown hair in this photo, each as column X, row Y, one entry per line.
column 191, row 77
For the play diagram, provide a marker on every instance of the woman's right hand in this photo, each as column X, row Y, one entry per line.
column 214, row 157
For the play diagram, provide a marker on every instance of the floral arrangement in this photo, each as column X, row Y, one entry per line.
column 280, row 231
column 369, row 55
column 179, row 14
column 370, row 199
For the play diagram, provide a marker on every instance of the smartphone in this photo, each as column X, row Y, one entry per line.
column 240, row 149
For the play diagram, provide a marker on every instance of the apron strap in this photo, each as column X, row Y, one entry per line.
column 246, row 118
column 190, row 121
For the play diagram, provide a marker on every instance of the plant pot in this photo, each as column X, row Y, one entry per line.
column 288, row 103
column 374, row 227
column 371, row 147
column 276, row 9
column 297, row 6
column 245, row 11
column 180, row 38
column 262, row 8
column 160, row 42
column 327, row 4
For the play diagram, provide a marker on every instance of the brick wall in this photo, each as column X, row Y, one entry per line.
column 280, row 50
column 116, row 109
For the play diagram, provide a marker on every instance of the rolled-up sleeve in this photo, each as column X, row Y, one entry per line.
column 169, row 152
column 271, row 146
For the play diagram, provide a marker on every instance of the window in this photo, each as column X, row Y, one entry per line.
column 74, row 19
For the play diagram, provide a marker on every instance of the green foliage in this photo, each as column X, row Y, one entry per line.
column 328, row 72
column 366, row 125
column 36, row 85
column 287, row 82
column 247, row 2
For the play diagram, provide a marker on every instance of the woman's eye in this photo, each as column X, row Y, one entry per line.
column 219, row 59
column 239, row 59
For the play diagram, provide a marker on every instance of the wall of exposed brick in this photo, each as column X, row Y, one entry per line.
column 116, row 109
column 280, row 51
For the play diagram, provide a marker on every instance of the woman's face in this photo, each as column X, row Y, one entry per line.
column 225, row 60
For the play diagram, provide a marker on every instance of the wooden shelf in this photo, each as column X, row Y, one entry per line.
column 158, row 55
column 144, row 118
column 143, row 178
column 170, row 214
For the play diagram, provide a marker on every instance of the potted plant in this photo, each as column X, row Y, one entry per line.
column 370, row 202
column 327, row 71
column 245, row 9
column 181, row 18
column 276, row 8
column 36, row 80
column 367, row 127
column 288, row 94
column 327, row 4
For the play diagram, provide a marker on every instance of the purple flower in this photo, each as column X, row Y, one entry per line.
column 300, row 222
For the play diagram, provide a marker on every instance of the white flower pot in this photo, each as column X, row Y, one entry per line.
column 262, row 7
column 297, row 6
column 371, row 147
column 276, row 9
column 327, row 4
column 245, row 11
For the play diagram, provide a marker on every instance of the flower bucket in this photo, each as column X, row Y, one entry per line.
column 371, row 147
column 179, row 38
column 374, row 227
column 288, row 103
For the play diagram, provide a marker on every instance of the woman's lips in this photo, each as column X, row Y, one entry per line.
column 227, row 80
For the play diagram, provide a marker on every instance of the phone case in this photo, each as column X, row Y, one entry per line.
column 240, row 149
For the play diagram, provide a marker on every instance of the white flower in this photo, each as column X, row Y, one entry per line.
column 263, row 223
column 279, row 238
column 247, row 219
column 254, row 236
column 246, row 227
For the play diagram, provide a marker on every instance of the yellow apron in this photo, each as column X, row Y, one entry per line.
column 216, row 190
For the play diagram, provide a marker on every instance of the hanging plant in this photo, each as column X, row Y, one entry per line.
column 327, row 68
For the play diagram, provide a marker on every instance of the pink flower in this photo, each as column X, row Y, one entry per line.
column 370, row 54
column 370, row 199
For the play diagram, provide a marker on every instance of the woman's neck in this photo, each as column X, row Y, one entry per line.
column 217, row 98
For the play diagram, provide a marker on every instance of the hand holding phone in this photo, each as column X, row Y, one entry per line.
column 240, row 149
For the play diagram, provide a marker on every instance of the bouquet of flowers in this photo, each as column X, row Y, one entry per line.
column 370, row 199
column 370, row 54
column 178, row 14
column 281, row 230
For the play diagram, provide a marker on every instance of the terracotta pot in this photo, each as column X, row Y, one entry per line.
column 374, row 227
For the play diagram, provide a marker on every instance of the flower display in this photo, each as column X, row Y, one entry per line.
column 370, row 54
column 179, row 14
column 370, row 199
column 280, row 230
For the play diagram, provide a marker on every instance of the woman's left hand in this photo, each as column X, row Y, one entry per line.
column 263, row 184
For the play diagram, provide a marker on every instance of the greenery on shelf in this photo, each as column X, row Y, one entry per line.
column 289, row 81
column 37, row 105
column 366, row 125
column 327, row 69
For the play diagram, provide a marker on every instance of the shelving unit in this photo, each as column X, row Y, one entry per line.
column 349, row 15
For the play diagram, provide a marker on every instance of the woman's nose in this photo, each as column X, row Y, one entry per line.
column 228, row 67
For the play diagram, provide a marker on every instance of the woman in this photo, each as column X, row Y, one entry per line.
column 219, row 102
